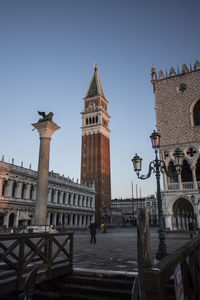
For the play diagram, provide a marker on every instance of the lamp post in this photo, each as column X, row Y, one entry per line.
column 157, row 166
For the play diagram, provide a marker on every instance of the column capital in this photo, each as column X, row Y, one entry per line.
column 46, row 128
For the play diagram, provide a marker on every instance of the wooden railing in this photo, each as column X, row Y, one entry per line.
column 20, row 253
column 158, row 282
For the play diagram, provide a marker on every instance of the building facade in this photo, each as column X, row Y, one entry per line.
column 177, row 99
column 95, row 153
column 70, row 204
column 129, row 207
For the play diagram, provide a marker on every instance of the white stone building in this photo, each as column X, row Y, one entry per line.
column 70, row 204
column 177, row 99
column 129, row 207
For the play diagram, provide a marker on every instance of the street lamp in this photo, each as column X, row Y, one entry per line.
column 157, row 166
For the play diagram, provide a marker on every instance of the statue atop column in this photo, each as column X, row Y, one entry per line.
column 47, row 117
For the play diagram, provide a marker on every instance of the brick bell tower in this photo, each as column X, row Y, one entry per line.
column 95, row 154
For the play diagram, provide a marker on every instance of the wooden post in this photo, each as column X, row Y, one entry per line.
column 143, row 246
column 143, row 239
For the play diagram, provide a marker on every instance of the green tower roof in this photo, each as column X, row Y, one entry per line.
column 95, row 87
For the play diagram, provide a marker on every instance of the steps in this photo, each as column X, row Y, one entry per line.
column 88, row 286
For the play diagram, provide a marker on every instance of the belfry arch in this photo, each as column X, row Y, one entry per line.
column 183, row 214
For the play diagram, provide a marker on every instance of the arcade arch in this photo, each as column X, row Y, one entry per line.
column 183, row 214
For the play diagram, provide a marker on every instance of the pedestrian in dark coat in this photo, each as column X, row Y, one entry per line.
column 93, row 228
column 191, row 229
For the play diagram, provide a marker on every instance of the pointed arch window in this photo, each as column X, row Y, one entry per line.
column 198, row 170
column 172, row 172
column 186, row 173
column 196, row 113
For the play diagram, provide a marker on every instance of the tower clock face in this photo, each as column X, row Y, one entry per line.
column 91, row 104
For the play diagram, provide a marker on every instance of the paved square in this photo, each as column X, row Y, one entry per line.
column 117, row 249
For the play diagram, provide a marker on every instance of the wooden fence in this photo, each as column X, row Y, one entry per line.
column 20, row 253
column 158, row 282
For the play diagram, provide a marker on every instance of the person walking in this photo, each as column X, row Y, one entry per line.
column 191, row 229
column 93, row 228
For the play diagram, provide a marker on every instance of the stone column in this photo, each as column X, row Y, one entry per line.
column 84, row 201
column 81, row 200
column 76, row 199
column 49, row 195
column 195, row 185
column 45, row 129
column 34, row 192
column 9, row 188
column 55, row 196
column 180, row 182
column 165, row 181
column 54, row 218
column 168, row 222
column 67, row 199
column 16, row 219
column 72, row 199
column 27, row 191
column 60, row 219
column 6, row 219
column 60, row 199
column 48, row 217
column 198, row 221
column 18, row 193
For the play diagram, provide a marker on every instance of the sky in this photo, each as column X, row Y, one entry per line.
column 47, row 52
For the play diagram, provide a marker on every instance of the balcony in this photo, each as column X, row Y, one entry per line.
column 185, row 186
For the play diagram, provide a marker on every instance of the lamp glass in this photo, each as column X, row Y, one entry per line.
column 178, row 157
column 155, row 140
column 137, row 163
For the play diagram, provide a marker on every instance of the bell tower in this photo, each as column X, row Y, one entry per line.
column 95, row 154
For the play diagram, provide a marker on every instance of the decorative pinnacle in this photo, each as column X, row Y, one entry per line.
column 95, row 66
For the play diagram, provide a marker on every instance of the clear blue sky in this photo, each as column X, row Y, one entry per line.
column 47, row 51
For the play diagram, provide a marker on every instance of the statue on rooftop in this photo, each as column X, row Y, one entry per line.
column 47, row 117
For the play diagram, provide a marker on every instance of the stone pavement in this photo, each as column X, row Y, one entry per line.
column 116, row 250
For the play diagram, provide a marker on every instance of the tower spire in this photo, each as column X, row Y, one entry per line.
column 95, row 87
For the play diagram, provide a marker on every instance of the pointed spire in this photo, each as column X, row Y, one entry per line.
column 95, row 87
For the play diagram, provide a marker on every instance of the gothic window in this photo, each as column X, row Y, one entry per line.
column 90, row 121
column 172, row 172
column 96, row 119
column 198, row 170
column 186, row 173
column 93, row 120
column 196, row 113
column 86, row 121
